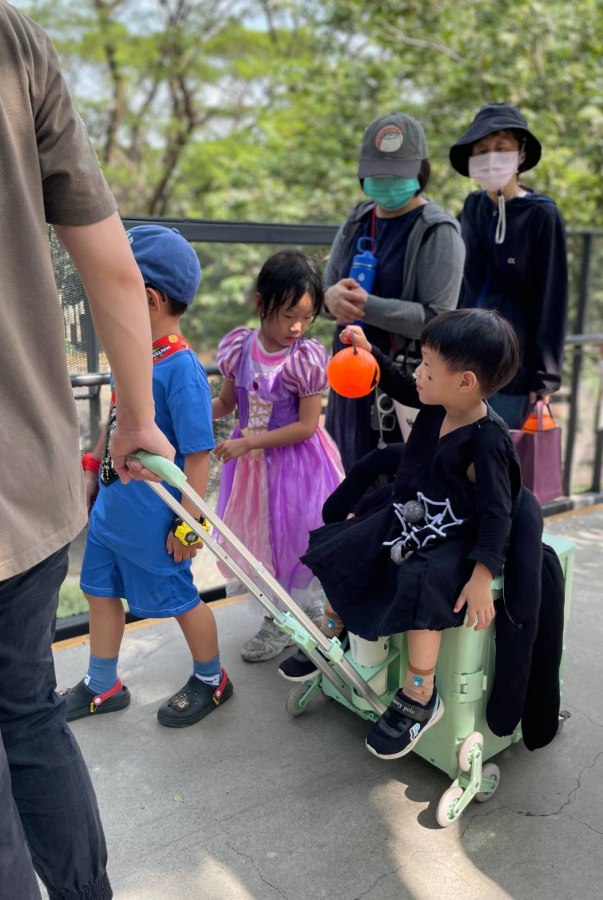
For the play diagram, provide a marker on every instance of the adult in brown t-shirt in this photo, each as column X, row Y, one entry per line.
column 49, row 174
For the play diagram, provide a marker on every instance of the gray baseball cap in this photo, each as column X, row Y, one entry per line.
column 392, row 145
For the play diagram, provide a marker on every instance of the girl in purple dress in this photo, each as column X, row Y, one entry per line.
column 280, row 465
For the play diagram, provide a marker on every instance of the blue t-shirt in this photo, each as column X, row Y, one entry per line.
column 130, row 518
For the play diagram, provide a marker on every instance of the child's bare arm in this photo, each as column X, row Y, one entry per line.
column 91, row 478
column 196, row 469
column 225, row 402
column 304, row 428
column 477, row 594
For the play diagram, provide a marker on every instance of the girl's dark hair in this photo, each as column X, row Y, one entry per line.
column 424, row 175
column 284, row 279
column 476, row 340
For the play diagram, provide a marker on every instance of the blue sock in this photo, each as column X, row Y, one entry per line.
column 102, row 673
column 209, row 671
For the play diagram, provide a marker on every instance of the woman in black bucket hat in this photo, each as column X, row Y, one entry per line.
column 516, row 252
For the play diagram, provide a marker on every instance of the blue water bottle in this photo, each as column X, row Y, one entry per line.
column 364, row 264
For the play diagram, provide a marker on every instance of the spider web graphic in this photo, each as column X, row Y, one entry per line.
column 438, row 518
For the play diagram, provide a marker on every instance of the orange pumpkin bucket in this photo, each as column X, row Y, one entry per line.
column 540, row 419
column 353, row 372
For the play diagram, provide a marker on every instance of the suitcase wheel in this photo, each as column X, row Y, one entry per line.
column 298, row 699
column 449, row 810
column 471, row 743
column 491, row 775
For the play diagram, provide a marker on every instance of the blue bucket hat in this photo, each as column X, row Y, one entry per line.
column 491, row 118
column 167, row 260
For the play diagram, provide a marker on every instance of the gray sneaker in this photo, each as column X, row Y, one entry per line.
column 267, row 643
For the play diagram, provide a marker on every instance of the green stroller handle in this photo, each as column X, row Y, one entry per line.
column 159, row 465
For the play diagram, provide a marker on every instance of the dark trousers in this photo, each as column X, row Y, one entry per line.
column 48, row 811
column 512, row 408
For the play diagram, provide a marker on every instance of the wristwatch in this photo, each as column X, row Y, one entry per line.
column 185, row 533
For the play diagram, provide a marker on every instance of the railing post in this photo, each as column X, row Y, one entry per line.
column 577, row 364
column 92, row 361
column 598, row 457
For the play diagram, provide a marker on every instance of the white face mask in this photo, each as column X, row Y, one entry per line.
column 493, row 171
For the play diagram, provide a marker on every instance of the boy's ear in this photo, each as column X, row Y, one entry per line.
column 153, row 297
column 468, row 381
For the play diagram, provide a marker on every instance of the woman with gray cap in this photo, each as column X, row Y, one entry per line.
column 516, row 252
column 415, row 255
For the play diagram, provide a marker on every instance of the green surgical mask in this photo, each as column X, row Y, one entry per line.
column 390, row 192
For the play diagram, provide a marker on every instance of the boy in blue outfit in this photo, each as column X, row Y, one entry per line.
column 135, row 548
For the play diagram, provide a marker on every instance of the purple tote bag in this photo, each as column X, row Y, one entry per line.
column 539, row 453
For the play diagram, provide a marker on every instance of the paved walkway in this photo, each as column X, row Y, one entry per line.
column 253, row 805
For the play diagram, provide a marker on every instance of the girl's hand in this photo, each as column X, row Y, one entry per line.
column 232, row 449
column 477, row 594
column 346, row 337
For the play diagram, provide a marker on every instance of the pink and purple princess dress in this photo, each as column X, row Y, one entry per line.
column 271, row 499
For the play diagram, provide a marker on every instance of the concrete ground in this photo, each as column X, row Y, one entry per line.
column 253, row 805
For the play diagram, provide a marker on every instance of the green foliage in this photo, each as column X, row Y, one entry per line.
column 71, row 600
column 217, row 109
column 254, row 110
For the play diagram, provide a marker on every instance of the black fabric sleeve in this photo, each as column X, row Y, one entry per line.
column 395, row 382
column 359, row 479
column 491, row 460
column 550, row 287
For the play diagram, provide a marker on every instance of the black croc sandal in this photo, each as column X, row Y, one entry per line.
column 396, row 732
column 81, row 701
column 301, row 668
column 194, row 701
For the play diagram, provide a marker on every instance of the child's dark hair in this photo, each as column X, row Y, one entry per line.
column 476, row 340
column 284, row 279
column 174, row 307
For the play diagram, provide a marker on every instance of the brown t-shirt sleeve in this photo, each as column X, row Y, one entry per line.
column 75, row 190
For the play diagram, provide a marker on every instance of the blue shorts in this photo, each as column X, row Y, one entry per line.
column 149, row 595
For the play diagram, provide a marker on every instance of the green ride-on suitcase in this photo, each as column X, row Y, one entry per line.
column 461, row 742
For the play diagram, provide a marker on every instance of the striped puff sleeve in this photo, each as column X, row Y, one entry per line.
column 305, row 371
column 228, row 354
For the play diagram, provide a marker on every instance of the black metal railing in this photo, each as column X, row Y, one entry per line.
column 583, row 243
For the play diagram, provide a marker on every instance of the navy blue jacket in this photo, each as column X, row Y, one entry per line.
column 524, row 278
